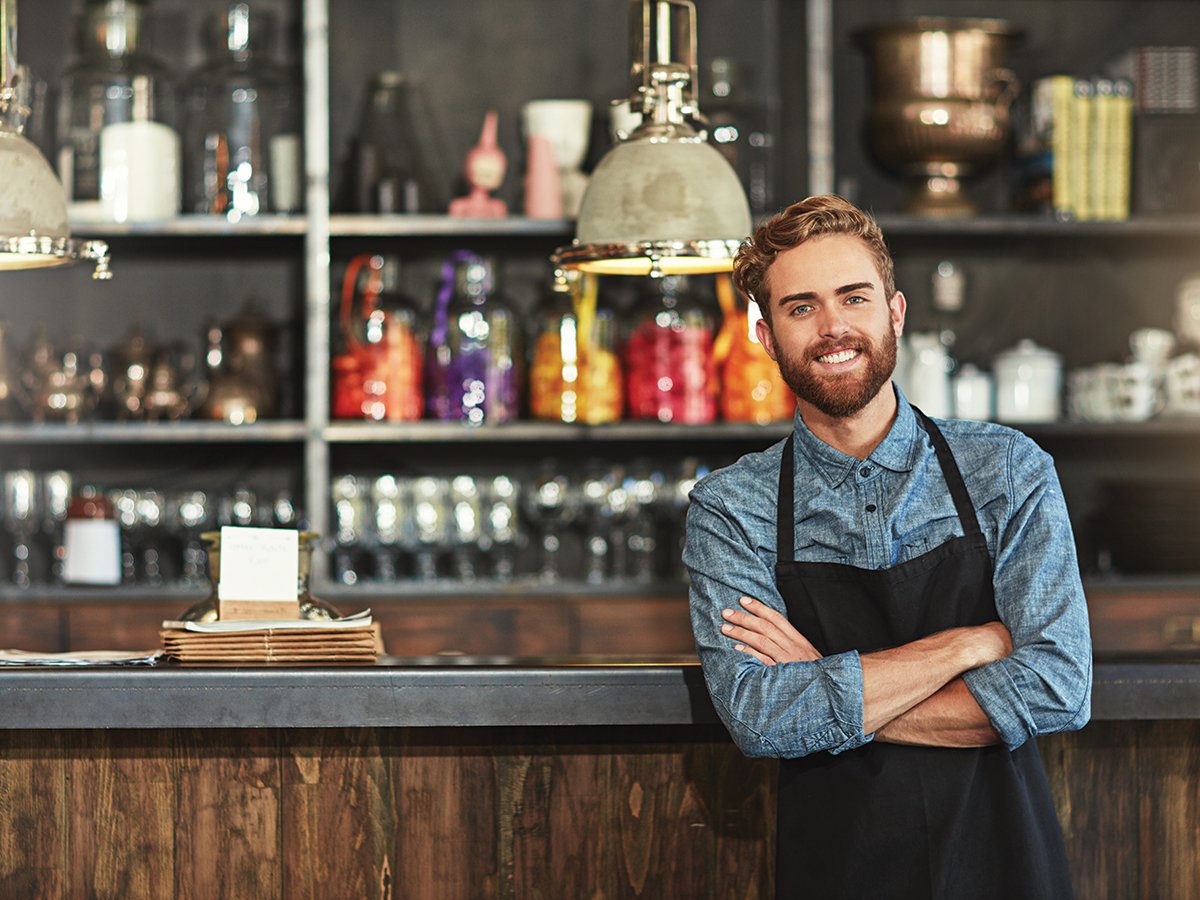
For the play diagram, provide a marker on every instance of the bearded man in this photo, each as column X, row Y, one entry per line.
column 889, row 604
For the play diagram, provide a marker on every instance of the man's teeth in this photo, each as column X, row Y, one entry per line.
column 839, row 357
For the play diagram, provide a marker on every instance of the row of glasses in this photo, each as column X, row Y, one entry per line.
column 604, row 524
column 160, row 529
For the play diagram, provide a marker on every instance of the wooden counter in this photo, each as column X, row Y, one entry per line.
column 569, row 782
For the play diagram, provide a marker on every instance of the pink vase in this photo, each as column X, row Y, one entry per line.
column 485, row 166
column 543, row 188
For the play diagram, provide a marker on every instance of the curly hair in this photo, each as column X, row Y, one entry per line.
column 805, row 220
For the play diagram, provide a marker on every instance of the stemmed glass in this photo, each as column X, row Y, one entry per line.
column 468, row 538
column 502, row 524
column 595, row 490
column 350, row 520
column 431, row 516
column 552, row 504
column 644, row 487
column 191, row 515
column 391, row 522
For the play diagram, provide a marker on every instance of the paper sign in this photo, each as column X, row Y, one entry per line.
column 258, row 564
column 93, row 551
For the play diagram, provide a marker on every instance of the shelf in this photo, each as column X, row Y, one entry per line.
column 550, row 432
column 521, row 587
column 1150, row 428
column 447, row 226
column 61, row 593
column 196, row 226
column 152, row 433
column 1017, row 225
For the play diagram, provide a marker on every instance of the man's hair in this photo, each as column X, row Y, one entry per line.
column 805, row 220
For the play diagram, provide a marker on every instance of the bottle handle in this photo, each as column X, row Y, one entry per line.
column 370, row 294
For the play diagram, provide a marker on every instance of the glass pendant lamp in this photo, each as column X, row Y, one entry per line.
column 33, row 208
column 663, row 201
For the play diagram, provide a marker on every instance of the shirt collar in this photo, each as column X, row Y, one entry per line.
column 897, row 451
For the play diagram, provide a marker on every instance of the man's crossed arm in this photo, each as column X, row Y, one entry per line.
column 912, row 694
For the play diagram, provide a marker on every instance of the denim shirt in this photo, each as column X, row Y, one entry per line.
column 877, row 513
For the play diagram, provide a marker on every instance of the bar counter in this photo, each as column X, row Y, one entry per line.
column 575, row 778
column 452, row 691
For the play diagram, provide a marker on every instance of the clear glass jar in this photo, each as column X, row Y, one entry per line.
column 237, row 106
column 575, row 375
column 670, row 370
column 98, row 90
column 474, row 362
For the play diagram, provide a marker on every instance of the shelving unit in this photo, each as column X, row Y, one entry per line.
column 815, row 92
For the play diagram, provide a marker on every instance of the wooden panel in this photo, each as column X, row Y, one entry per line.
column 502, row 812
column 121, row 831
column 128, row 625
column 634, row 626
column 26, row 626
column 340, row 815
column 1093, row 777
column 448, row 840
column 1168, row 792
column 33, row 816
column 228, row 831
column 474, row 627
column 1157, row 622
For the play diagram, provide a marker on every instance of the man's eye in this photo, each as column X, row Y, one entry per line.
column 800, row 309
column 856, row 299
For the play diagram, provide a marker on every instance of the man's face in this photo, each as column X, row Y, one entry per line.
column 832, row 332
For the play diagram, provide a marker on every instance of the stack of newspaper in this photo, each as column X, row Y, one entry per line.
column 350, row 639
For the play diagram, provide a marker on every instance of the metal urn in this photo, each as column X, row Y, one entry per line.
column 940, row 107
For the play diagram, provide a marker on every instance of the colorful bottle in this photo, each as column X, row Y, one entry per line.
column 473, row 370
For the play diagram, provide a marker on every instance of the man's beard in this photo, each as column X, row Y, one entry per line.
column 841, row 395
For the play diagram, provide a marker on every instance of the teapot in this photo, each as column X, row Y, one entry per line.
column 173, row 390
column 58, row 386
column 132, row 361
column 12, row 392
column 242, row 379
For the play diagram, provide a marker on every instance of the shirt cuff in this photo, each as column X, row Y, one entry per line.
column 843, row 675
column 999, row 697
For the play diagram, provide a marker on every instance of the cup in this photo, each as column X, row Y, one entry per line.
column 566, row 124
column 974, row 394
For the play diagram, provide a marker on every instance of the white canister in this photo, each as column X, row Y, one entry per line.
column 139, row 165
column 1028, row 384
column 928, row 375
column 974, row 394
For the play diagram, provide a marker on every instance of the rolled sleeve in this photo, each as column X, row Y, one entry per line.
column 1045, row 684
column 787, row 710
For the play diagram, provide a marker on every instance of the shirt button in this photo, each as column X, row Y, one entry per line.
column 870, row 507
column 864, row 471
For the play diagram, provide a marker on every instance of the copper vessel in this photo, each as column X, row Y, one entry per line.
column 940, row 107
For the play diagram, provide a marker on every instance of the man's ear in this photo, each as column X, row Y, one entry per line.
column 898, row 306
column 763, row 331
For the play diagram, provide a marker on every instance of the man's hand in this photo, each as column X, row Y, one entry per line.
column 766, row 634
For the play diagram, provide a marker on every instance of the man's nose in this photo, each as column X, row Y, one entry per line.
column 833, row 322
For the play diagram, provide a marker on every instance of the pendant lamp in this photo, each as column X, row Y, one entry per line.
column 663, row 201
column 33, row 207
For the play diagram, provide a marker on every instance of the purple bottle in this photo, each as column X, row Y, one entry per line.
column 473, row 361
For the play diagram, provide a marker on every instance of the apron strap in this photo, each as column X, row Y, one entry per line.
column 785, row 518
column 954, row 479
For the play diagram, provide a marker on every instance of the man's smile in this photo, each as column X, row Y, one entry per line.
column 839, row 356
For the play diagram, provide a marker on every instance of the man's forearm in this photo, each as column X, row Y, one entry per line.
column 896, row 680
column 950, row 717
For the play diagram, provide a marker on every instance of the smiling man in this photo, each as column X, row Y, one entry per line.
column 889, row 604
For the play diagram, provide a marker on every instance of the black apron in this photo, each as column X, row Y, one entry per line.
column 894, row 821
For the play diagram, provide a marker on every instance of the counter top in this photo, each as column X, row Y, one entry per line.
column 401, row 693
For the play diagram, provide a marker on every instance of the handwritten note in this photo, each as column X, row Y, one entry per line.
column 258, row 564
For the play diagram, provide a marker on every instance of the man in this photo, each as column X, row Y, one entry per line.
column 890, row 605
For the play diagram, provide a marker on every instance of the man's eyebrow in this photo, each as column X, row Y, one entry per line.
column 812, row 295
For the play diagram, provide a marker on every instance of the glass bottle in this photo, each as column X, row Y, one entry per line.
column 575, row 375
column 737, row 127
column 379, row 376
column 670, row 371
column 392, row 166
column 235, row 111
column 98, row 90
column 473, row 370
column 752, row 389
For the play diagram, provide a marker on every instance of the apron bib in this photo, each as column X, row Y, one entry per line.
column 894, row 821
